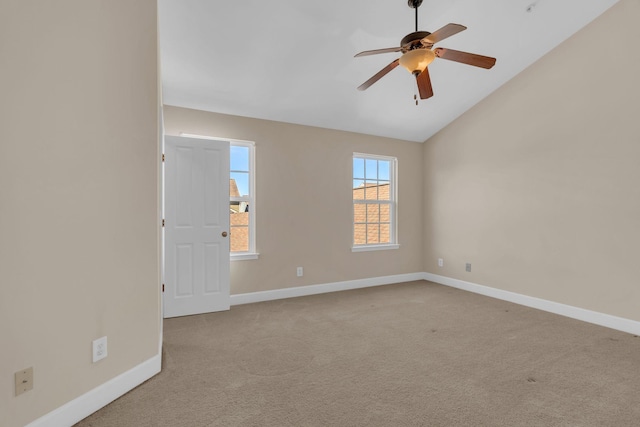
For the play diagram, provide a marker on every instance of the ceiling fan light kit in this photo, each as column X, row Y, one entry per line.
column 416, row 61
column 417, row 53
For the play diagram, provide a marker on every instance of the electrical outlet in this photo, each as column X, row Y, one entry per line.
column 299, row 272
column 468, row 266
column 440, row 262
column 24, row 381
column 99, row 349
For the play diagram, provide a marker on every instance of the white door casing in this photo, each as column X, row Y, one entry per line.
column 196, row 226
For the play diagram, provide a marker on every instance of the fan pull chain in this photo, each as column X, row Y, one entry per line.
column 414, row 89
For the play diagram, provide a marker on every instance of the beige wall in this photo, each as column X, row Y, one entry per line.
column 78, row 196
column 538, row 186
column 304, row 199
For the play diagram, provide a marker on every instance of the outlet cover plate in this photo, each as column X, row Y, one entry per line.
column 99, row 349
column 24, row 381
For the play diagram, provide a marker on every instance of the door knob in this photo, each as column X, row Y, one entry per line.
column 224, row 234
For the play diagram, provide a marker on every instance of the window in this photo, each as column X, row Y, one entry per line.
column 374, row 202
column 241, row 204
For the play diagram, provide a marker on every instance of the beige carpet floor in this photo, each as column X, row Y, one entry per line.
column 412, row 354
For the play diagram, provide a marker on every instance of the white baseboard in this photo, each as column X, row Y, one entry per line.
column 301, row 291
column 90, row 402
column 607, row 320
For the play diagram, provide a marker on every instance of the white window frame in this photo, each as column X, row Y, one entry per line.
column 251, row 199
column 392, row 202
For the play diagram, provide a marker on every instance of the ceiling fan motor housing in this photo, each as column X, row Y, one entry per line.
column 412, row 41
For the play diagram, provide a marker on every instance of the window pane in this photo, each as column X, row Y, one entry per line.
column 371, row 169
column 383, row 190
column 385, row 234
column 371, row 190
column 239, row 213
column 373, row 213
column 373, row 231
column 358, row 168
column 383, row 169
column 359, row 234
column 384, row 213
column 359, row 213
column 358, row 189
column 239, row 220
column 239, row 238
column 239, row 185
column 239, row 158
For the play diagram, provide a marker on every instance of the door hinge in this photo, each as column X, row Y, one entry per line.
column 163, row 287
column 163, row 157
column 163, row 222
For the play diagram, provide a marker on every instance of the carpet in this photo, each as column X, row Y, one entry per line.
column 410, row 354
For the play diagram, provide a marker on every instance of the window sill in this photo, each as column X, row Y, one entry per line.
column 244, row 256
column 367, row 248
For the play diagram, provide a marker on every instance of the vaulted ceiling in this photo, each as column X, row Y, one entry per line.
column 293, row 60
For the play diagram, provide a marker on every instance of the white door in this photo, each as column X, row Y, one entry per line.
column 196, row 173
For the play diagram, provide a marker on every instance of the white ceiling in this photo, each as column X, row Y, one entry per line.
column 292, row 60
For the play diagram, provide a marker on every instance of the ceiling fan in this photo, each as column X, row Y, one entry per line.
column 417, row 54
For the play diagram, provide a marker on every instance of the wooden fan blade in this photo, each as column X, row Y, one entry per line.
column 379, row 75
column 377, row 51
column 424, row 84
column 465, row 58
column 444, row 32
